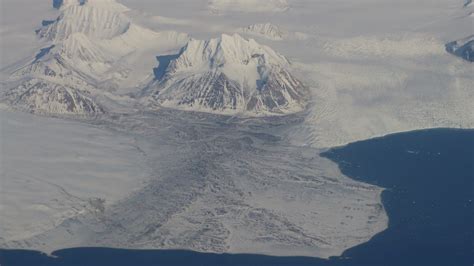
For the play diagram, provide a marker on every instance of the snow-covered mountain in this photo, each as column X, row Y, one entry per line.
column 91, row 48
column 41, row 97
column 230, row 75
column 213, row 183
column 463, row 48
column 96, row 21
column 94, row 48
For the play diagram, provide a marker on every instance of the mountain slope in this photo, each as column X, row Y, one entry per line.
column 91, row 47
column 229, row 75
column 95, row 22
column 463, row 48
column 43, row 97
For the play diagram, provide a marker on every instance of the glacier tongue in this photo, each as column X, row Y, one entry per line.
column 229, row 75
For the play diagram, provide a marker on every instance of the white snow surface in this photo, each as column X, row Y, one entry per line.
column 90, row 49
column 266, row 30
column 230, row 75
column 226, row 49
column 248, row 5
column 53, row 169
column 271, row 32
column 372, row 68
column 91, row 20
column 232, row 54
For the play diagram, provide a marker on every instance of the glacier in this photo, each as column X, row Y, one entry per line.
column 198, row 124
column 206, row 185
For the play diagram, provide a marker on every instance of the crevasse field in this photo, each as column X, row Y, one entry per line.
column 179, row 124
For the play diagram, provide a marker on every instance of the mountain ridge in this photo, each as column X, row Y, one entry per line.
column 93, row 49
column 230, row 75
column 88, row 49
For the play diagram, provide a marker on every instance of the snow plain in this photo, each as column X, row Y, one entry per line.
column 248, row 6
column 228, row 184
column 53, row 169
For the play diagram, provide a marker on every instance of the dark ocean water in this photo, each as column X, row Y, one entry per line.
column 429, row 177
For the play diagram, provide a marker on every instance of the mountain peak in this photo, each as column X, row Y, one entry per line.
column 96, row 18
column 226, row 50
column 109, row 4
column 228, row 74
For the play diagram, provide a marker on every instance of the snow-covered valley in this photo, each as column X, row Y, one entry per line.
column 200, row 122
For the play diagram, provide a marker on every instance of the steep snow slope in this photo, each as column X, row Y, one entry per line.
column 228, row 75
column 39, row 96
column 248, row 5
column 66, row 61
column 94, row 21
column 57, row 78
column 91, row 46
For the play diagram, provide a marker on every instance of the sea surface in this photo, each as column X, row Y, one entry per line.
column 429, row 181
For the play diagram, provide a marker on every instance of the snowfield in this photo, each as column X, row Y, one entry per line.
column 197, row 124
column 249, row 5
column 53, row 170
